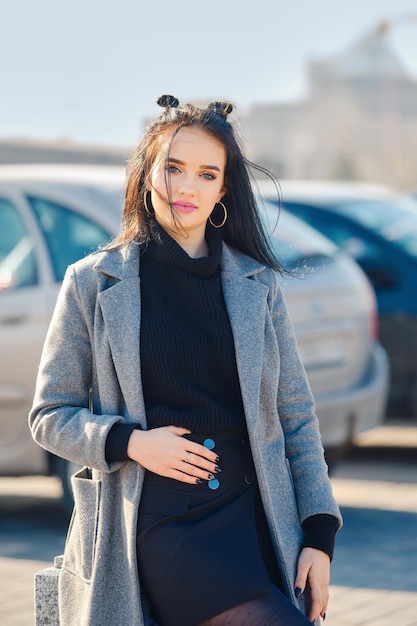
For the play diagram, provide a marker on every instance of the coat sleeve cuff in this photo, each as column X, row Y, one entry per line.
column 320, row 532
column 117, row 440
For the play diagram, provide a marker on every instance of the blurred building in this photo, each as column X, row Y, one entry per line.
column 358, row 121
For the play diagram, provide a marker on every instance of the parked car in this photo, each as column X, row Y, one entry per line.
column 52, row 215
column 378, row 227
column 49, row 217
column 333, row 310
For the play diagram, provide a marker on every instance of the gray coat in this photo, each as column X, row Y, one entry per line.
column 90, row 378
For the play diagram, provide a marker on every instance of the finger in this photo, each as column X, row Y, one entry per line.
column 301, row 579
column 315, row 610
column 191, row 446
column 198, row 461
column 191, row 470
column 324, row 604
column 195, row 465
column 179, row 430
column 202, row 451
column 184, row 478
column 319, row 601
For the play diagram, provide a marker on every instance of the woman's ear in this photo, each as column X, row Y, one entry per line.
column 224, row 189
column 221, row 194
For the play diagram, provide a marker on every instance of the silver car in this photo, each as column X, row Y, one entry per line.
column 377, row 226
column 52, row 215
column 333, row 310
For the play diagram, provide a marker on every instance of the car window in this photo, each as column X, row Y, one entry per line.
column 344, row 234
column 293, row 241
column 17, row 251
column 323, row 222
column 371, row 254
column 69, row 236
column 394, row 220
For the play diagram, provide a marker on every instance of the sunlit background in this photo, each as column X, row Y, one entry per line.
column 323, row 89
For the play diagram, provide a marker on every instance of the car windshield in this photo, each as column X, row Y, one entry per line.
column 293, row 241
column 394, row 220
column 112, row 195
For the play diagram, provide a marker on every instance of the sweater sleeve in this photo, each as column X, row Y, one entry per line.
column 320, row 532
column 117, row 440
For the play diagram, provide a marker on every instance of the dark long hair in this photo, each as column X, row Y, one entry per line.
column 243, row 228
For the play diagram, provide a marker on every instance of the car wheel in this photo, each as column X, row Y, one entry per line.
column 333, row 456
column 412, row 402
column 64, row 470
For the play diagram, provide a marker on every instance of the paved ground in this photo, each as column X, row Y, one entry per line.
column 374, row 573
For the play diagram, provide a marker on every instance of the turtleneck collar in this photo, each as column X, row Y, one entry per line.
column 166, row 250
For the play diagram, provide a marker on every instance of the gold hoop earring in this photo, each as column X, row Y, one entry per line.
column 146, row 204
column 224, row 219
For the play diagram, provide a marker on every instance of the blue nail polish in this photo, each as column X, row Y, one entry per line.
column 298, row 592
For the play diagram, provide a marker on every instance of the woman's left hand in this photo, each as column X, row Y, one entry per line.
column 314, row 566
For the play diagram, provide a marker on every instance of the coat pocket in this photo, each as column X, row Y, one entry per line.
column 82, row 536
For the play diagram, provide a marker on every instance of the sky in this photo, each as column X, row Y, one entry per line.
column 90, row 71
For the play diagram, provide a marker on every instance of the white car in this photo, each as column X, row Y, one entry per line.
column 51, row 215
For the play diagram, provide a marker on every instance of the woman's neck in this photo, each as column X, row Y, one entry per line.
column 193, row 243
column 194, row 249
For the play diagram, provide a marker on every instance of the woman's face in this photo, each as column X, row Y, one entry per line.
column 194, row 173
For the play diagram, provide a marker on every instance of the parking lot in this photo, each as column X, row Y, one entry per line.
column 374, row 573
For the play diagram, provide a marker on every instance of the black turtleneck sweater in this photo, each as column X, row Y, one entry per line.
column 187, row 355
column 189, row 373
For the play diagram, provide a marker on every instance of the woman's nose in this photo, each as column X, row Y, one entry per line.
column 187, row 185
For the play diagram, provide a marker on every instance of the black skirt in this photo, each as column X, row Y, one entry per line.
column 205, row 548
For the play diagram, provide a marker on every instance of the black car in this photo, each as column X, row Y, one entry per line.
column 379, row 229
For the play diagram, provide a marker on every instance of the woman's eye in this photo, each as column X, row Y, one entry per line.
column 208, row 176
column 172, row 169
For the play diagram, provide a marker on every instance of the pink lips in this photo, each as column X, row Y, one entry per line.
column 184, row 207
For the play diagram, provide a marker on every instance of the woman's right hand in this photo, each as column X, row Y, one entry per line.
column 166, row 452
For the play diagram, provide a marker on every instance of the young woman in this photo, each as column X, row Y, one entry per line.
column 171, row 370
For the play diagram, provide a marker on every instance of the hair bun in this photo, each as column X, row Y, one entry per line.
column 221, row 108
column 168, row 101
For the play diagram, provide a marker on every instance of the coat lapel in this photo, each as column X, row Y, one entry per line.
column 120, row 306
column 246, row 301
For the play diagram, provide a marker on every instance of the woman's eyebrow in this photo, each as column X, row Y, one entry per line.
column 203, row 167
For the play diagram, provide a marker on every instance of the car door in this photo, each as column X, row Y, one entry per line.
column 23, row 323
column 39, row 238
